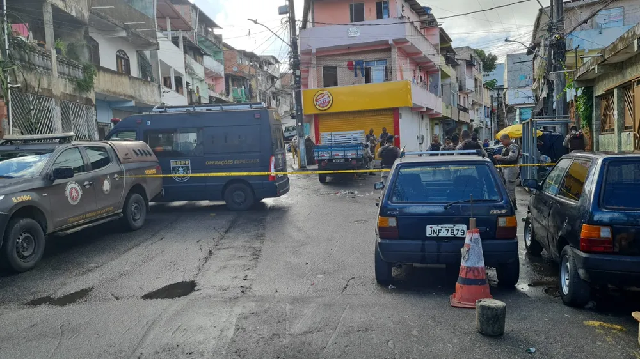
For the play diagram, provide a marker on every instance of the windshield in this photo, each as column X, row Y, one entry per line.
column 444, row 183
column 622, row 185
column 22, row 164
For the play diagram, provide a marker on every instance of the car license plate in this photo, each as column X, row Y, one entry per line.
column 447, row 230
column 338, row 160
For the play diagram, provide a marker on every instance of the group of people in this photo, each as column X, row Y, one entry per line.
column 308, row 146
column 464, row 141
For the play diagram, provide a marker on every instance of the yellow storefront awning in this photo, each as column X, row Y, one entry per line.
column 357, row 97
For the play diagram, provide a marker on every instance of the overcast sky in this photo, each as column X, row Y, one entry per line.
column 485, row 30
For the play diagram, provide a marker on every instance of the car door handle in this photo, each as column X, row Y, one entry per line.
column 87, row 184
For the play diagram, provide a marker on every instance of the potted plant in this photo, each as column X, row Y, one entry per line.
column 61, row 47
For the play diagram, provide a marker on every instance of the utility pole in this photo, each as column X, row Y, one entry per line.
column 5, row 55
column 559, row 57
column 297, row 88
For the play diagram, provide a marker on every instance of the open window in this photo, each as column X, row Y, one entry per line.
column 122, row 62
column 382, row 9
column 329, row 76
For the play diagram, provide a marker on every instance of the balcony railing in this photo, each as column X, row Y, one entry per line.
column 193, row 68
column 405, row 34
column 31, row 56
column 213, row 66
column 68, row 68
column 422, row 97
column 238, row 94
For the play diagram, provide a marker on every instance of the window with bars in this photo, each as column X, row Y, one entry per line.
column 607, row 114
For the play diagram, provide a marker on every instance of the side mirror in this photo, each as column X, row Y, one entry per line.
column 62, row 173
column 530, row 183
column 378, row 185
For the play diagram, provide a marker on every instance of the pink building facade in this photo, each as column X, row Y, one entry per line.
column 367, row 42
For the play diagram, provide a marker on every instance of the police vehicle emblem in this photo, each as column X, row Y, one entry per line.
column 180, row 170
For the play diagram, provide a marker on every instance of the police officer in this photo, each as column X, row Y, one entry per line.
column 388, row 154
column 509, row 156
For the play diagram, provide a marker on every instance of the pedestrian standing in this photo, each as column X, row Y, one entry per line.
column 485, row 144
column 388, row 154
column 294, row 149
column 455, row 140
column 383, row 137
column 448, row 145
column 470, row 142
column 372, row 141
column 308, row 147
column 574, row 140
column 435, row 143
column 509, row 157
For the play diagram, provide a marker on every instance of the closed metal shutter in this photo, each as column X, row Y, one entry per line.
column 357, row 121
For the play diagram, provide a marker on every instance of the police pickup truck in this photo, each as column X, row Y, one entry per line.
column 49, row 184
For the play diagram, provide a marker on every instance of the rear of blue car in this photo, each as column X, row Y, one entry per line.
column 609, row 247
column 425, row 212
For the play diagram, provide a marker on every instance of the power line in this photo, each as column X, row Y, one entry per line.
column 484, row 10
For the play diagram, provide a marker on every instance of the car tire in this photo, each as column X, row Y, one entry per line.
column 23, row 246
column 574, row 291
column 384, row 270
column 239, row 197
column 322, row 178
column 508, row 274
column 134, row 211
column 533, row 247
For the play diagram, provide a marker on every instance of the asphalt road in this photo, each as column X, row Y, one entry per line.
column 291, row 279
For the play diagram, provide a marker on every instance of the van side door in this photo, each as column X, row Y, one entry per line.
column 180, row 153
column 108, row 177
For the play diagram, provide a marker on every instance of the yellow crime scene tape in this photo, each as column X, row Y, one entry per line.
column 241, row 174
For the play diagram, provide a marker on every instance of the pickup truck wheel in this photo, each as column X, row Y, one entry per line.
column 508, row 274
column 322, row 178
column 23, row 244
column 574, row 291
column 533, row 247
column 384, row 270
column 239, row 197
column 135, row 211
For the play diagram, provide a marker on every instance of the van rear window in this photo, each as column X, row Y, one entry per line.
column 277, row 138
column 622, row 185
column 444, row 183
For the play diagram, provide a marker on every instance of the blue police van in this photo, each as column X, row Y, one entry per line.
column 192, row 141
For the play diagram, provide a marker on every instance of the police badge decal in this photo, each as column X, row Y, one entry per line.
column 181, row 170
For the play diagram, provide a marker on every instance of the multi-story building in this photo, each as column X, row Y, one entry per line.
column 471, row 88
column 518, row 78
column 240, row 70
column 172, row 26
column 448, row 122
column 52, row 88
column 589, row 36
column 381, row 71
column 268, row 76
column 286, row 105
column 123, row 46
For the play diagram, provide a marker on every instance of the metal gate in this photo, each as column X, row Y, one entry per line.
column 37, row 115
column 530, row 155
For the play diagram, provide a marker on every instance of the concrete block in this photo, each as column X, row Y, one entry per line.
column 490, row 317
column 636, row 316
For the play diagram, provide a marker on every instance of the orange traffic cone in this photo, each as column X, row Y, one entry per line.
column 472, row 281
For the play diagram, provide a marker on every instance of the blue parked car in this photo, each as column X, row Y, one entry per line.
column 586, row 215
column 425, row 210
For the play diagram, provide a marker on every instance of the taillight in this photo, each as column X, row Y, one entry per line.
column 272, row 168
column 507, row 227
column 596, row 239
column 158, row 170
column 353, row 162
column 388, row 227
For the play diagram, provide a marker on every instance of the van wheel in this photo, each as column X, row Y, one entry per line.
column 508, row 274
column 384, row 274
column 135, row 212
column 23, row 244
column 239, row 197
column 322, row 178
column 574, row 291
column 533, row 247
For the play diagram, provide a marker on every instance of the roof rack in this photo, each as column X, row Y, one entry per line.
column 444, row 153
column 211, row 107
column 48, row 138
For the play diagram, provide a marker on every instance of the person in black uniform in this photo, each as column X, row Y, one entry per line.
column 388, row 154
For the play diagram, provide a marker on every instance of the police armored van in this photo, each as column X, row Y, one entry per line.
column 193, row 141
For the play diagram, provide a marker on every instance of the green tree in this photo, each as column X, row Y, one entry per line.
column 488, row 60
column 491, row 84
